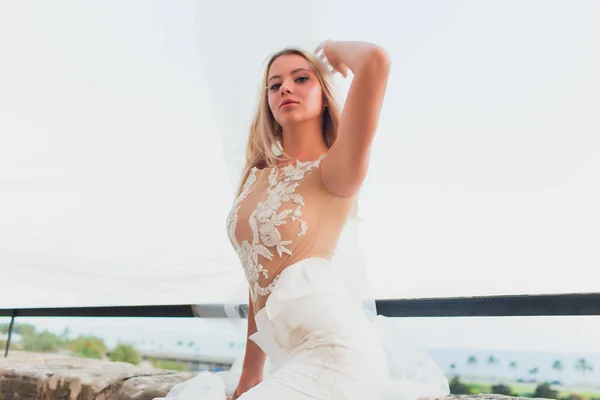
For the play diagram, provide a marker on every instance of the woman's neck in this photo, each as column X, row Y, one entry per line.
column 304, row 141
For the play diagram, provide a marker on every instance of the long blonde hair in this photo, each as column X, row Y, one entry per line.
column 265, row 140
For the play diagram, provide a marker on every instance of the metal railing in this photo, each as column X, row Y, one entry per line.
column 481, row 306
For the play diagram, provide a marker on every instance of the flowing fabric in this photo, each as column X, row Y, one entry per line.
column 398, row 369
column 320, row 345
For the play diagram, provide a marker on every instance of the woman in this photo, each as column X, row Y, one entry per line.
column 305, row 165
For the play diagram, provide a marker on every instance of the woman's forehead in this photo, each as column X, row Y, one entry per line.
column 287, row 63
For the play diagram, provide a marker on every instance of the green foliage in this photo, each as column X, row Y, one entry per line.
column 48, row 342
column 165, row 364
column 502, row 389
column 543, row 390
column 558, row 365
column 21, row 329
column 584, row 366
column 24, row 329
column 572, row 396
column 492, row 360
column 457, row 387
column 125, row 353
column 534, row 371
column 45, row 342
column 88, row 347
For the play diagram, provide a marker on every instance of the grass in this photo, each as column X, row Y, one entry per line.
column 527, row 390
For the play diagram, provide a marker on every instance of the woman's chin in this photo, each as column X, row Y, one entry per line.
column 291, row 118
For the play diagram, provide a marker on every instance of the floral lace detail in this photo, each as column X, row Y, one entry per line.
column 265, row 219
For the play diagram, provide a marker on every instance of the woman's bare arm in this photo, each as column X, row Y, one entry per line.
column 254, row 359
column 346, row 164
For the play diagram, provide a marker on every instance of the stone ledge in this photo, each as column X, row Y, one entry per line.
column 32, row 376
column 26, row 375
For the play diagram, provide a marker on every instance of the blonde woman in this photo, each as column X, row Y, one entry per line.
column 305, row 163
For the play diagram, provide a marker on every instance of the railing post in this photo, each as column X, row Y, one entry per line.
column 10, row 329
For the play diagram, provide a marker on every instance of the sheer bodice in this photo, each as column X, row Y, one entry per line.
column 284, row 215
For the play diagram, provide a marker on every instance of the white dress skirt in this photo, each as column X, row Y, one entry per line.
column 320, row 345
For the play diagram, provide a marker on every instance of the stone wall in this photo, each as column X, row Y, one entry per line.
column 32, row 376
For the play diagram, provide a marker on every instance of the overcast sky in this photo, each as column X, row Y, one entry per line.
column 122, row 127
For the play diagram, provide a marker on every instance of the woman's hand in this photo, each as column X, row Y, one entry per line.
column 326, row 52
column 246, row 383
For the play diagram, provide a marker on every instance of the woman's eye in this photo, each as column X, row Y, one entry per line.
column 300, row 79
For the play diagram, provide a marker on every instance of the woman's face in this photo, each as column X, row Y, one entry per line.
column 294, row 92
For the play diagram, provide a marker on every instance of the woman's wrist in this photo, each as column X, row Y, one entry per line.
column 355, row 55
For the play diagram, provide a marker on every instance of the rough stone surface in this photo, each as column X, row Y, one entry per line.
column 149, row 387
column 33, row 376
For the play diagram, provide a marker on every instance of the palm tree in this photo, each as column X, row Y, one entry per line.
column 558, row 366
column 472, row 361
column 513, row 365
column 453, row 369
column 180, row 343
column 492, row 361
column 534, row 371
column 191, row 344
column 583, row 365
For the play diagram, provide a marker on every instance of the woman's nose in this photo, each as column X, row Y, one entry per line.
column 286, row 88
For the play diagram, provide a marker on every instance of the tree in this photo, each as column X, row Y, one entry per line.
column 493, row 361
column 545, row 392
column 501, row 389
column 45, row 342
column 125, row 353
column 457, row 387
column 534, row 371
column 64, row 335
column 453, row 369
column 513, row 365
column 583, row 366
column 88, row 347
column 557, row 365
column 24, row 329
column 472, row 361
column 180, row 343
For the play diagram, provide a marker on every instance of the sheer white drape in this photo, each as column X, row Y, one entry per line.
column 123, row 126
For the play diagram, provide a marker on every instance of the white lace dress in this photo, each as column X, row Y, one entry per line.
column 318, row 341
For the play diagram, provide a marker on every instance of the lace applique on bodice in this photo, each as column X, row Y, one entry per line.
column 265, row 241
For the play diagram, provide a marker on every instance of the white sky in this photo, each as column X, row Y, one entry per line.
column 121, row 124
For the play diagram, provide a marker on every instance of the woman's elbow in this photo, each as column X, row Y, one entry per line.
column 378, row 61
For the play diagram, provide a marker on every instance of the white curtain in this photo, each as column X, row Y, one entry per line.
column 123, row 126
